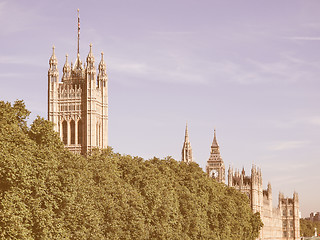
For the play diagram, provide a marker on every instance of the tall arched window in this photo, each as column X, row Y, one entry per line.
column 97, row 135
column 73, row 133
column 65, row 132
column 80, row 132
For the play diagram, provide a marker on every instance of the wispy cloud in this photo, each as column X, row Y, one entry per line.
column 158, row 70
column 293, row 123
column 314, row 120
column 305, row 38
column 287, row 145
column 22, row 59
column 187, row 70
column 14, row 18
column 283, row 180
column 165, row 33
column 11, row 75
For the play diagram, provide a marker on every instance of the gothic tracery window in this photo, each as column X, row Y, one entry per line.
column 72, row 128
column 80, row 132
column 65, row 132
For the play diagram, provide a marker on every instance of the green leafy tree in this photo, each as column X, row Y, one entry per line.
column 307, row 227
column 46, row 192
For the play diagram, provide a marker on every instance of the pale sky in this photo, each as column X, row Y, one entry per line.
column 250, row 69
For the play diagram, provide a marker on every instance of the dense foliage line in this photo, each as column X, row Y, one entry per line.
column 46, row 192
column 308, row 228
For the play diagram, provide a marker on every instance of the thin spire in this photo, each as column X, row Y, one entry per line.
column 53, row 56
column 101, row 64
column 90, row 55
column 53, row 59
column 186, row 149
column 78, row 52
column 187, row 133
column 102, row 60
column 214, row 142
column 66, row 65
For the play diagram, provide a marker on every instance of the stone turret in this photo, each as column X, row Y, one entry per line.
column 66, row 70
column 53, row 85
column 187, row 156
column 53, row 72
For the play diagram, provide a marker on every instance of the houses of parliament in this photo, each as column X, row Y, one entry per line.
column 78, row 109
column 280, row 223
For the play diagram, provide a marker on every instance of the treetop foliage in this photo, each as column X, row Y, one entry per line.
column 46, row 192
column 307, row 227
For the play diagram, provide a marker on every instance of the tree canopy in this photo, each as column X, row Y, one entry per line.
column 46, row 192
column 307, row 227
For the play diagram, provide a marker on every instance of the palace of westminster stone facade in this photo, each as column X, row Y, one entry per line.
column 78, row 105
column 78, row 108
column 279, row 223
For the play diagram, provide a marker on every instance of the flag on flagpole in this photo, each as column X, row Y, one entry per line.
column 78, row 23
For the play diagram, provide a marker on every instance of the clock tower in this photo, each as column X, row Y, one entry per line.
column 215, row 166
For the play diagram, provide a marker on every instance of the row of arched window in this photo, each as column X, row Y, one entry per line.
column 75, row 132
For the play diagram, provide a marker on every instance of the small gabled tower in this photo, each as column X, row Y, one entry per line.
column 215, row 165
column 186, row 149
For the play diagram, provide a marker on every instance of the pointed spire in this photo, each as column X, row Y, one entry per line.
column 53, row 62
column 66, row 69
column 102, row 60
column 214, row 142
column 53, row 58
column 78, row 63
column 90, row 52
column 66, row 63
column 102, row 76
column 90, row 60
column 186, row 149
column 90, row 57
column 187, row 133
column 53, row 53
column 53, row 73
column 102, row 65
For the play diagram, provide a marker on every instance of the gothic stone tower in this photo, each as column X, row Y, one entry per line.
column 78, row 105
column 289, row 210
column 250, row 185
column 215, row 166
column 186, row 149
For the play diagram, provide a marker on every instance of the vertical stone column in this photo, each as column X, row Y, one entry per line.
column 69, row 132
column 61, row 130
column 76, row 131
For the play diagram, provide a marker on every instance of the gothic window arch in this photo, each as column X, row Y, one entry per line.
column 80, row 132
column 73, row 132
column 65, row 132
column 98, row 134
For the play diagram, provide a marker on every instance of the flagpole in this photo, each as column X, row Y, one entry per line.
column 78, row 32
